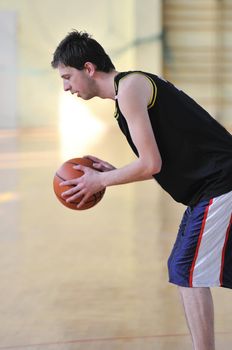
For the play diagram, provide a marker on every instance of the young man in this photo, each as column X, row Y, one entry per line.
column 179, row 144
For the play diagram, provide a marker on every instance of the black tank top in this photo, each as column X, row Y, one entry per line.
column 196, row 150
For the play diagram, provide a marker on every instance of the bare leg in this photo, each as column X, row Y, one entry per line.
column 199, row 312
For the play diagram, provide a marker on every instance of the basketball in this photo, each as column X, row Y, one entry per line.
column 66, row 172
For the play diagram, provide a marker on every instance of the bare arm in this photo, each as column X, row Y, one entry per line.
column 133, row 99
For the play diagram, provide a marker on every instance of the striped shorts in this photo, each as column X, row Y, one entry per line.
column 202, row 253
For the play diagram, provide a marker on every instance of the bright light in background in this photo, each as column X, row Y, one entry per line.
column 79, row 127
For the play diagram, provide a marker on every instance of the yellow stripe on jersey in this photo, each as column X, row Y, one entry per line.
column 116, row 114
column 154, row 93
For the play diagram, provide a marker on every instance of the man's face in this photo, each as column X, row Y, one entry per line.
column 79, row 82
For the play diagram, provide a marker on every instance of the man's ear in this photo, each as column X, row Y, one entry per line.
column 90, row 68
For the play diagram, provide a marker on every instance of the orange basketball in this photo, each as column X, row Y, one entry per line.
column 66, row 172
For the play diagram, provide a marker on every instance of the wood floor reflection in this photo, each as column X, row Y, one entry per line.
column 96, row 279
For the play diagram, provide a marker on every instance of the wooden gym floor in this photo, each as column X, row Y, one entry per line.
column 93, row 280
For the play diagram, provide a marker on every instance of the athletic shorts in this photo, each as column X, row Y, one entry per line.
column 202, row 253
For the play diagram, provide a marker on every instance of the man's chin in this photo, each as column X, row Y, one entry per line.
column 86, row 98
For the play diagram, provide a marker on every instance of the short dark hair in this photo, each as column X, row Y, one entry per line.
column 77, row 48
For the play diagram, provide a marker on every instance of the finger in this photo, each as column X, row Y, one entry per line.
column 104, row 166
column 81, row 168
column 73, row 198
column 83, row 201
column 69, row 182
column 99, row 166
column 93, row 158
column 71, row 191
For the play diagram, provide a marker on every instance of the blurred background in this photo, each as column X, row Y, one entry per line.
column 99, row 274
column 189, row 42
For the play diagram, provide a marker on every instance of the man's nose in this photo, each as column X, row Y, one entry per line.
column 66, row 86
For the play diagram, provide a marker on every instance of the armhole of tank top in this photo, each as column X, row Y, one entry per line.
column 116, row 113
column 153, row 95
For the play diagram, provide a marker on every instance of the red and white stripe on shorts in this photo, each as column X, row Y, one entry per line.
column 214, row 248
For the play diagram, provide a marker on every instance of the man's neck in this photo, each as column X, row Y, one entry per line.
column 105, row 82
